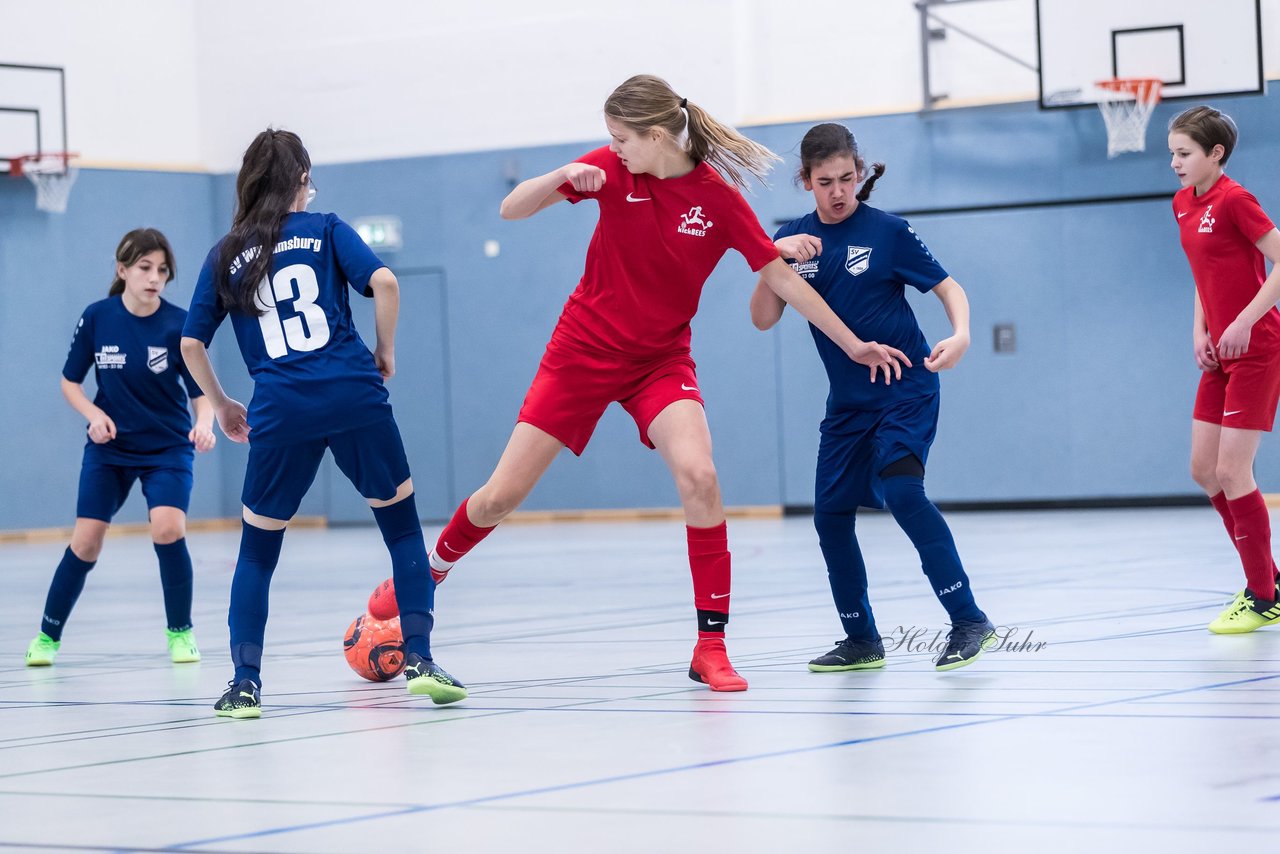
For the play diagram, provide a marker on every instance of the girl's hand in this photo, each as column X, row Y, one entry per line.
column 232, row 420
column 101, row 428
column 584, row 177
column 385, row 359
column 202, row 437
column 799, row 247
column 881, row 357
column 1234, row 342
column 1206, row 358
column 946, row 353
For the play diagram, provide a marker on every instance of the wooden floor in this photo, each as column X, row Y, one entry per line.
column 1118, row 722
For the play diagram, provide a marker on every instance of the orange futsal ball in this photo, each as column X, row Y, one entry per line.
column 374, row 648
column 382, row 602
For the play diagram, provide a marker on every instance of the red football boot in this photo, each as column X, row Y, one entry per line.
column 711, row 665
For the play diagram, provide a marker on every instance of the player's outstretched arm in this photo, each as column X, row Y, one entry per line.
column 1235, row 338
column 231, row 414
column 947, row 352
column 789, row 287
column 386, row 313
column 539, row 193
column 101, row 428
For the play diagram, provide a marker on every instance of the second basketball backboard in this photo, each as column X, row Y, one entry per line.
column 1196, row 48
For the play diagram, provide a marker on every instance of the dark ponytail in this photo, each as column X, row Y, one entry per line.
column 829, row 140
column 266, row 189
column 877, row 169
column 136, row 244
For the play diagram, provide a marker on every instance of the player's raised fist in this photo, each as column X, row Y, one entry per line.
column 584, row 177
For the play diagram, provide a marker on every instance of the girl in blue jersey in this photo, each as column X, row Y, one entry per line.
column 282, row 275
column 139, row 430
column 875, row 436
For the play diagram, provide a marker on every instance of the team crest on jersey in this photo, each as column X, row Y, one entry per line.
column 859, row 260
column 1206, row 221
column 158, row 359
column 694, row 222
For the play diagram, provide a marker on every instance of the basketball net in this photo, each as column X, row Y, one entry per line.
column 51, row 174
column 1126, row 104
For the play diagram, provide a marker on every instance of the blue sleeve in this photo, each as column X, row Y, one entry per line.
column 913, row 263
column 205, row 315
column 356, row 260
column 80, row 356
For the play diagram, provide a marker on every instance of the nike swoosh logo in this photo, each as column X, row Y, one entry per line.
column 1232, row 412
column 1245, row 537
column 632, row 198
column 719, row 595
column 688, row 387
column 1181, row 215
column 715, row 622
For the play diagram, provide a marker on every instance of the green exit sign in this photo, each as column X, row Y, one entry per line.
column 380, row 232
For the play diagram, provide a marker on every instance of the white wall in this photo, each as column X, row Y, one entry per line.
column 131, row 76
column 161, row 82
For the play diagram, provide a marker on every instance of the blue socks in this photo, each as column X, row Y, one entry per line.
column 64, row 590
column 846, row 572
column 415, row 591
column 250, row 587
column 928, row 532
column 176, row 581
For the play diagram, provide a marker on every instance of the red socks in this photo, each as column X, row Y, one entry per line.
column 1251, row 530
column 458, row 537
column 709, row 565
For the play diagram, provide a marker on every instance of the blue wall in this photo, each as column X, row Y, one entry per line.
column 1095, row 402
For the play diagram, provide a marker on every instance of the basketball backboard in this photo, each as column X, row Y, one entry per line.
column 1196, row 48
column 33, row 111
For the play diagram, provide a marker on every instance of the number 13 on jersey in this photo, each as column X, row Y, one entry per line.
column 296, row 282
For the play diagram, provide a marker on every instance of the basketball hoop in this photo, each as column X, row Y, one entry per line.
column 51, row 174
column 1126, row 104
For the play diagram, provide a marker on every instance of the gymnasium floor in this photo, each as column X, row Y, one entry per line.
column 1131, row 729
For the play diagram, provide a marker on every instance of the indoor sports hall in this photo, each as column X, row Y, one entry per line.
column 1027, row 144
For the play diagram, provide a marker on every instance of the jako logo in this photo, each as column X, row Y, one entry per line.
column 694, row 222
column 953, row 588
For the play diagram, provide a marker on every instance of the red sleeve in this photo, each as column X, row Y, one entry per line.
column 1247, row 215
column 745, row 233
column 606, row 160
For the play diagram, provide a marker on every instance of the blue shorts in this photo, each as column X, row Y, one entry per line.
column 371, row 457
column 850, row 462
column 105, row 486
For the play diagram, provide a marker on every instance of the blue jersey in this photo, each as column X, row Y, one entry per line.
column 313, row 376
column 866, row 263
column 138, row 369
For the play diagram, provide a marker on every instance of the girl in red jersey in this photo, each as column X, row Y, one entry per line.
column 666, row 218
column 1236, row 337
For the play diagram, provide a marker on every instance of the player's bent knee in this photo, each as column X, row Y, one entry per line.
column 698, row 479
column 168, row 525
column 908, row 466
column 266, row 523
column 403, row 491
column 491, row 506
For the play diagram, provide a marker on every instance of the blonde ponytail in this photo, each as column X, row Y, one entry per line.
column 645, row 101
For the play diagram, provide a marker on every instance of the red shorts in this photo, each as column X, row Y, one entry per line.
column 573, row 387
column 1243, row 393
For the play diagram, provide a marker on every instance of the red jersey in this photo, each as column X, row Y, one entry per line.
column 657, row 241
column 1219, row 231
